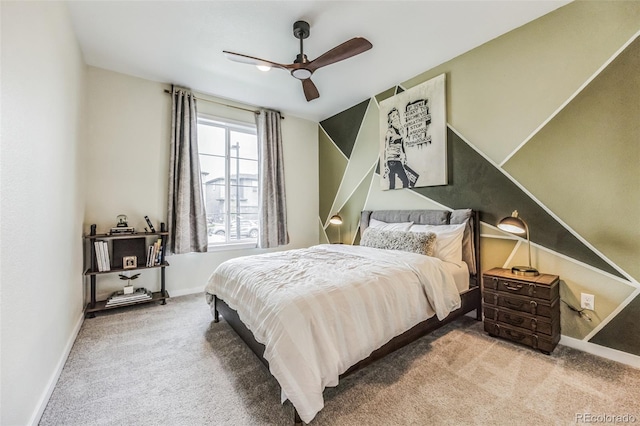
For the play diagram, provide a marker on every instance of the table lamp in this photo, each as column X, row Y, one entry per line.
column 515, row 225
column 337, row 220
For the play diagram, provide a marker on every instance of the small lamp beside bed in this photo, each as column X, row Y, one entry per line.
column 337, row 220
column 515, row 225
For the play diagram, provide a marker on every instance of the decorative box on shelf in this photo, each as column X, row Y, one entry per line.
column 523, row 309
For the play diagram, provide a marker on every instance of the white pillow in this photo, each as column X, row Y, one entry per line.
column 384, row 226
column 448, row 240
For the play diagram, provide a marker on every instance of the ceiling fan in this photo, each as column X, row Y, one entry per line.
column 302, row 68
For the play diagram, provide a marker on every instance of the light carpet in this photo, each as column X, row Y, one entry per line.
column 171, row 365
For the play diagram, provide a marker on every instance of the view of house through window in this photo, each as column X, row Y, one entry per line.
column 229, row 167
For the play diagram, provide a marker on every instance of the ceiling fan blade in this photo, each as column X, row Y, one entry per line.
column 341, row 52
column 310, row 90
column 238, row 57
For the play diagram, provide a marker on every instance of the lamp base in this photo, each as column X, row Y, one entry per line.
column 526, row 271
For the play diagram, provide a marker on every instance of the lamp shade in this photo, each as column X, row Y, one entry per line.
column 513, row 224
column 335, row 220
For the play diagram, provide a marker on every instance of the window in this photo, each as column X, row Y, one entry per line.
column 229, row 166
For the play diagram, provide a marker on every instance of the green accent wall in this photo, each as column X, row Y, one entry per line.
column 545, row 120
column 331, row 165
column 580, row 154
column 622, row 332
column 341, row 130
column 500, row 92
column 476, row 183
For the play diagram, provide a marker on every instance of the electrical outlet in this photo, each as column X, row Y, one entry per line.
column 587, row 301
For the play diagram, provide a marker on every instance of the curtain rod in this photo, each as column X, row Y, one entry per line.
column 227, row 105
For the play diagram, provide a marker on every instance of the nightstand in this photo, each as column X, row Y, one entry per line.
column 522, row 309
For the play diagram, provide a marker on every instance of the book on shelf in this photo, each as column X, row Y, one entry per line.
column 154, row 253
column 105, row 250
column 159, row 252
column 120, row 298
column 98, row 251
column 149, row 255
column 102, row 256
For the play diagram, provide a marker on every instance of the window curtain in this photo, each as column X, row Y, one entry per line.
column 272, row 199
column 186, row 214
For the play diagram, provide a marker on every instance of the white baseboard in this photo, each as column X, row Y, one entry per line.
column 602, row 351
column 185, row 291
column 44, row 398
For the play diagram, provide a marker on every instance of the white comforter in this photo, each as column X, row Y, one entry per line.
column 322, row 309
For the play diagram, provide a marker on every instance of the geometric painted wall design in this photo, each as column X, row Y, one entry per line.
column 474, row 182
column 349, row 143
column 344, row 130
column 621, row 332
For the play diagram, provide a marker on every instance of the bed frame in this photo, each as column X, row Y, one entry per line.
column 471, row 300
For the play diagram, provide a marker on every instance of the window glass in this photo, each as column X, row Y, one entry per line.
column 229, row 166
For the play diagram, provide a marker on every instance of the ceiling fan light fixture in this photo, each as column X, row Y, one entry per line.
column 301, row 73
column 302, row 68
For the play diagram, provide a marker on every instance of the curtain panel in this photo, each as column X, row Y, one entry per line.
column 187, row 216
column 272, row 199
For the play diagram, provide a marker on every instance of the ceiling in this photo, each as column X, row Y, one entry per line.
column 181, row 42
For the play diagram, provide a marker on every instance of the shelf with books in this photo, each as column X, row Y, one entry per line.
column 122, row 252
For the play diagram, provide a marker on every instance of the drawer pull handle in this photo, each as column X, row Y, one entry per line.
column 514, row 334
column 534, row 306
column 512, row 304
column 513, row 287
column 514, row 321
column 534, row 324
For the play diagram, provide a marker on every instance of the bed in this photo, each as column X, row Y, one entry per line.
column 316, row 315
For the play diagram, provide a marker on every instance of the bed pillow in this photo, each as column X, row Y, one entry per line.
column 448, row 242
column 414, row 242
column 398, row 226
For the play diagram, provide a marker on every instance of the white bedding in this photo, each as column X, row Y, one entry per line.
column 460, row 272
column 322, row 309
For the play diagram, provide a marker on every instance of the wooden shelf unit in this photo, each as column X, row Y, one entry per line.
column 92, row 271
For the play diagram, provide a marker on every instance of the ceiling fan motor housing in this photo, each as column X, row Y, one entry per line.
column 301, row 29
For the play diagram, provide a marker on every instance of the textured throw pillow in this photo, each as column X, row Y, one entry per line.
column 449, row 242
column 421, row 243
column 397, row 226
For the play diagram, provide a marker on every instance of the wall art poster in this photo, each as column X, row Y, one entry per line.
column 413, row 137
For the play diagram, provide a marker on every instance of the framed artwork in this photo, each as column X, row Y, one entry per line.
column 413, row 137
column 129, row 262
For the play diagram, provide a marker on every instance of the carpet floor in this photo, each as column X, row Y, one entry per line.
column 171, row 365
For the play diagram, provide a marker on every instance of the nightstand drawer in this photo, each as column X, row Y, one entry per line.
column 536, row 324
column 537, row 341
column 521, row 288
column 531, row 306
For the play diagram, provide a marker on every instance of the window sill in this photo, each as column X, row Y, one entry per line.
column 232, row 246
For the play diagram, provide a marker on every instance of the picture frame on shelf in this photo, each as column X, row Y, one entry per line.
column 129, row 262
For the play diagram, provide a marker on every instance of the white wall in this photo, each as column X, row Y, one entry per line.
column 128, row 161
column 42, row 202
